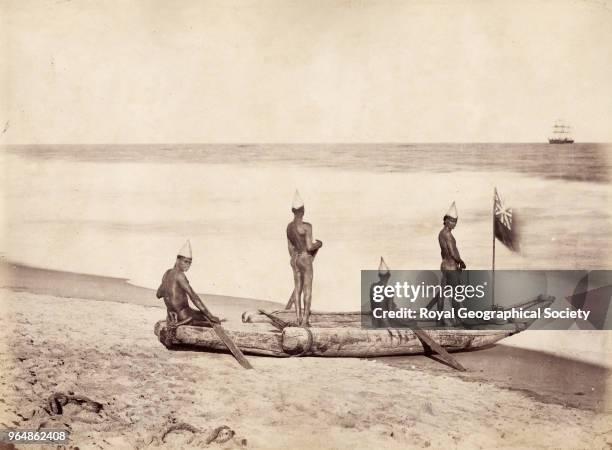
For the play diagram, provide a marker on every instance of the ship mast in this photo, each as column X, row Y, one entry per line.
column 560, row 130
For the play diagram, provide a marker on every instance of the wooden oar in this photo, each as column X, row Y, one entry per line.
column 276, row 321
column 232, row 347
column 433, row 345
column 289, row 304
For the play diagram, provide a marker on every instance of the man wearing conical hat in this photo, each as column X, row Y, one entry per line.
column 302, row 250
column 452, row 264
column 387, row 303
column 176, row 290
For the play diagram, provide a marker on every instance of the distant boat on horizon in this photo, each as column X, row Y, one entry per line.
column 561, row 134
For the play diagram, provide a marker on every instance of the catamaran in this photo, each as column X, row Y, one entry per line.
column 340, row 334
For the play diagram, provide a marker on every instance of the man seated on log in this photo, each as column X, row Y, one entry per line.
column 175, row 289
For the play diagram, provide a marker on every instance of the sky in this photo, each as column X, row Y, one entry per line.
column 286, row 71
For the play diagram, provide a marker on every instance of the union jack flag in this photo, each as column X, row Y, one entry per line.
column 504, row 224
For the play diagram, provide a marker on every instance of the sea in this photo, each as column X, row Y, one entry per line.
column 125, row 210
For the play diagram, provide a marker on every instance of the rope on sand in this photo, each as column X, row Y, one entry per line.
column 219, row 435
column 58, row 400
column 179, row 427
column 216, row 435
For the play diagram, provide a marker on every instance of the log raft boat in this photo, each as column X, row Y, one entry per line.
column 337, row 335
column 335, row 342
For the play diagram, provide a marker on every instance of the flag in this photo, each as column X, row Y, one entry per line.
column 505, row 224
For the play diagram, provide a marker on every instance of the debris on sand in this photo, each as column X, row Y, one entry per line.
column 57, row 401
column 198, row 438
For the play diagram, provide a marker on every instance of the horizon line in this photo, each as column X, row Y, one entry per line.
column 252, row 143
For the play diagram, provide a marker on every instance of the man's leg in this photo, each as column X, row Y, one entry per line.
column 441, row 298
column 291, row 301
column 387, row 305
column 453, row 279
column 298, row 281
column 198, row 319
column 307, row 283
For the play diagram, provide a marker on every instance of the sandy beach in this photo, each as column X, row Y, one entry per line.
column 231, row 140
column 106, row 351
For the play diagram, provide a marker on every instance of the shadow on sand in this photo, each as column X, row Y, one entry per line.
column 545, row 377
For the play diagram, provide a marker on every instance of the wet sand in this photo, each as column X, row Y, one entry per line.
column 542, row 376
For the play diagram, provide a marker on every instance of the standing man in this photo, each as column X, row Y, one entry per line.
column 452, row 264
column 175, row 289
column 301, row 250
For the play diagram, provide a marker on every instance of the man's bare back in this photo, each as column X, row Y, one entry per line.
column 175, row 296
column 176, row 292
column 298, row 234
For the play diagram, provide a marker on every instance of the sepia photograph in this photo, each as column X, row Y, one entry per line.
column 300, row 224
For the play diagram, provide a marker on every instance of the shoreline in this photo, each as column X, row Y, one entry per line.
column 58, row 283
column 567, row 344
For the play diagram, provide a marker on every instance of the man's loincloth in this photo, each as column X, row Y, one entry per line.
column 195, row 317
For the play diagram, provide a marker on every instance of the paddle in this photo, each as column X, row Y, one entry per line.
column 434, row 346
column 232, row 347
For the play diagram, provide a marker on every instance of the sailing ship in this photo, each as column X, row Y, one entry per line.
column 561, row 134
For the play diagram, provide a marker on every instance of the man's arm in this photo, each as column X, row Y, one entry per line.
column 291, row 248
column 454, row 252
column 195, row 298
column 310, row 245
column 160, row 290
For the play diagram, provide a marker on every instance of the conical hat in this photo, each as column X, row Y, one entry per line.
column 452, row 211
column 185, row 250
column 297, row 201
column 383, row 269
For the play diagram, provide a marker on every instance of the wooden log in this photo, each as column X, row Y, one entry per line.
column 325, row 319
column 336, row 342
column 167, row 338
column 317, row 316
column 252, row 341
column 317, row 319
column 366, row 343
column 354, row 320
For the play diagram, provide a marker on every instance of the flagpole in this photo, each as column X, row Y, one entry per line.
column 493, row 261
